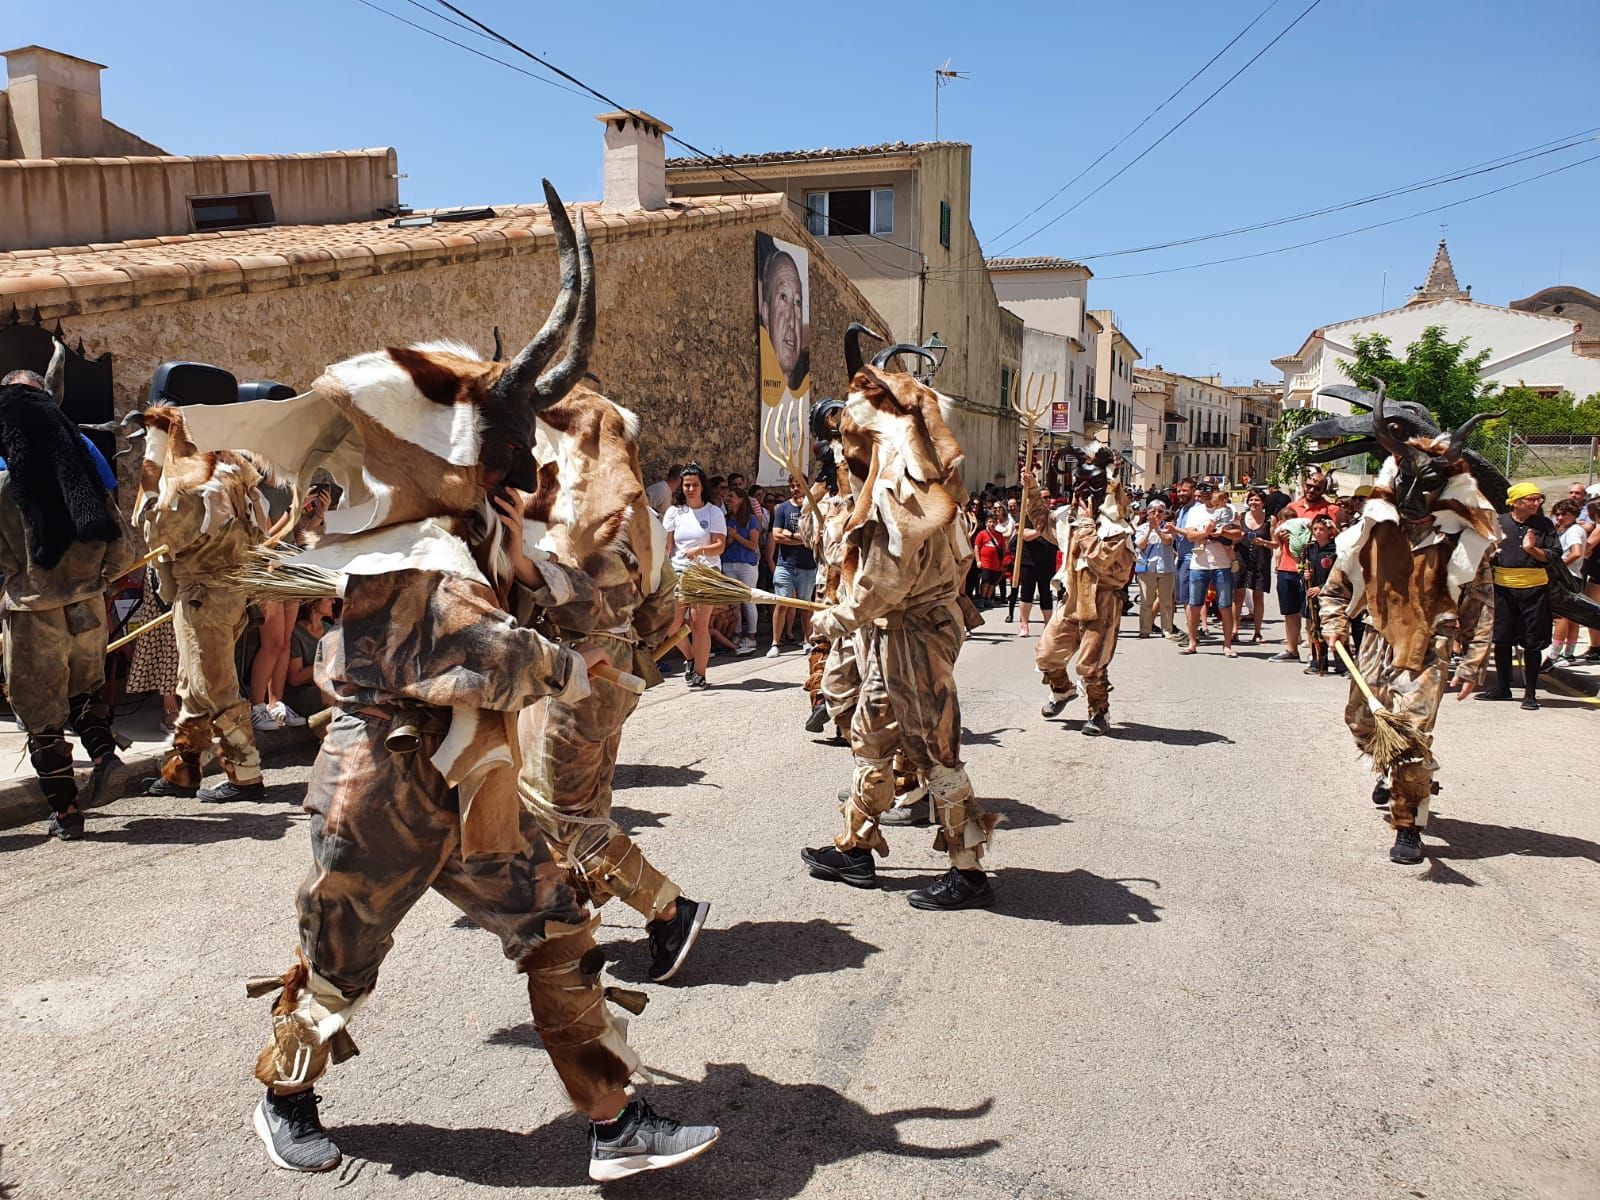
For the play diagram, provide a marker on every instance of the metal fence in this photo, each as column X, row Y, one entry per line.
column 1526, row 452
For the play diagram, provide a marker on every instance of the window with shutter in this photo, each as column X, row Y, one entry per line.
column 944, row 224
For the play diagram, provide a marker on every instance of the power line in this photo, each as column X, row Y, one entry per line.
column 1333, row 237
column 1254, row 58
column 469, row 49
column 716, row 161
column 1484, row 168
column 1147, row 119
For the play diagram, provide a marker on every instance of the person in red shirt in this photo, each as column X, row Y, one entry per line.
column 989, row 548
column 1313, row 503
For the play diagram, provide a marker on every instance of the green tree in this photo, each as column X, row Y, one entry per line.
column 1435, row 373
column 1291, row 462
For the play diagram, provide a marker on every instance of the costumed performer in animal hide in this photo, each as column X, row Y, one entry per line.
column 589, row 511
column 834, row 677
column 206, row 507
column 1418, row 563
column 906, row 556
column 416, row 783
column 62, row 541
column 1097, row 558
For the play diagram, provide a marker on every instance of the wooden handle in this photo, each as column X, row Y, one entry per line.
column 671, row 644
column 1344, row 656
column 140, row 632
column 624, row 680
column 148, row 558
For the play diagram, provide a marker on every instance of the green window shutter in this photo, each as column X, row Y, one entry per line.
column 944, row 224
column 1005, row 387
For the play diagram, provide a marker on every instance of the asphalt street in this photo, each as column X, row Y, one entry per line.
column 1203, row 978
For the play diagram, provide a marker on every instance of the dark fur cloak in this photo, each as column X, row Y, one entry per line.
column 56, row 485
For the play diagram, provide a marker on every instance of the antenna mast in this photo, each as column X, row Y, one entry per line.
column 941, row 76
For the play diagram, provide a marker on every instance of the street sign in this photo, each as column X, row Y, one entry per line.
column 1060, row 417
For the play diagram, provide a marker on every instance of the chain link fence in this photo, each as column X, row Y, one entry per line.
column 1552, row 456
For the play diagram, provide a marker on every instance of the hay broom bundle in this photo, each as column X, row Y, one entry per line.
column 700, row 584
column 1395, row 736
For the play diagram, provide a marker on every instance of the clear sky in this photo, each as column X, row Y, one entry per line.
column 1359, row 97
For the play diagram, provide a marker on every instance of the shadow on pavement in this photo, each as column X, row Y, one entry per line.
column 1076, row 897
column 199, row 829
column 1466, row 840
column 1437, row 872
column 759, row 952
column 1018, row 815
column 753, row 684
column 637, row 775
column 1132, row 731
column 815, row 1127
column 631, row 820
column 992, row 738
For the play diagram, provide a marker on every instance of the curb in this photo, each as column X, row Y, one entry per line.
column 22, row 804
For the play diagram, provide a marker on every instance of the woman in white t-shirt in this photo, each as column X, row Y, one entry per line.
column 1574, row 540
column 696, row 533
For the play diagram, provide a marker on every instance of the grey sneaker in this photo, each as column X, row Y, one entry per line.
column 292, row 1133
column 641, row 1140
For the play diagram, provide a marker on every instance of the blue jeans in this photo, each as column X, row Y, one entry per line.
column 1180, row 587
column 796, row 582
column 1201, row 579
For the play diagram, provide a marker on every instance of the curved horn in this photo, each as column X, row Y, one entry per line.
column 518, row 380
column 55, row 375
column 560, row 378
column 1380, row 425
column 1350, row 425
column 1360, row 445
column 132, row 425
column 1350, row 394
column 853, row 361
column 1458, row 440
column 882, row 357
column 499, row 347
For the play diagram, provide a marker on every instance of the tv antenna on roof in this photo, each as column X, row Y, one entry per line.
column 941, row 76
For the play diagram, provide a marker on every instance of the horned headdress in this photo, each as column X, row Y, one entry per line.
column 904, row 461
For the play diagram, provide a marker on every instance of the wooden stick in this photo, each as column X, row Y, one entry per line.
column 671, row 643
column 140, row 632
column 1373, row 702
column 622, row 679
column 148, row 558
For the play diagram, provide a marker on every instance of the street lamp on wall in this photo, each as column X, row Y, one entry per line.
column 935, row 345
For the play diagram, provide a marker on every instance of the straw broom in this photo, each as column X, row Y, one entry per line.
column 1395, row 736
column 266, row 576
column 700, row 584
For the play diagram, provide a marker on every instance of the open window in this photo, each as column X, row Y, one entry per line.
column 241, row 211
column 848, row 211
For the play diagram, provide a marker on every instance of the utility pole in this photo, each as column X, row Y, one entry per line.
column 941, row 75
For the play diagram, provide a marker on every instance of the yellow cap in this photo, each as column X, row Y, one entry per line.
column 1520, row 491
column 1362, row 492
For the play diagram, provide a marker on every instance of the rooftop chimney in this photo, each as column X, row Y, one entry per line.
column 55, row 104
column 636, row 161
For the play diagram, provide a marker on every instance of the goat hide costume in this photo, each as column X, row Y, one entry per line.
column 206, row 507
column 905, row 557
column 589, row 511
column 1418, row 563
column 416, row 783
column 1097, row 559
column 62, row 540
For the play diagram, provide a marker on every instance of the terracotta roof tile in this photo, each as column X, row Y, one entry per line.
column 73, row 279
column 1034, row 262
column 881, row 150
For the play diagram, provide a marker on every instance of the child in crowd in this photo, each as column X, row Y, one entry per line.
column 1316, row 566
column 989, row 549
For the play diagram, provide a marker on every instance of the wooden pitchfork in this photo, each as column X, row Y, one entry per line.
column 1029, row 404
column 783, row 441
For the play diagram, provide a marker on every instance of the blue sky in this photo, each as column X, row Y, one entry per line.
column 1362, row 95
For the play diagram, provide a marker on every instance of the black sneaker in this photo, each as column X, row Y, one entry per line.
column 1284, row 656
column 670, row 941
column 841, row 866
column 1531, row 703
column 1098, row 725
column 954, row 889
column 158, row 786
column 292, row 1132
column 642, row 1140
column 67, row 827
column 696, row 682
column 228, row 791
column 1053, row 705
column 910, row 814
column 1495, row 694
column 1591, row 655
column 1407, row 846
column 817, row 719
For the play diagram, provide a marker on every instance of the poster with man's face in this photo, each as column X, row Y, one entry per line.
column 783, row 334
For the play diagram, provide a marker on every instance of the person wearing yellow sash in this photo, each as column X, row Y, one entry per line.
column 1522, row 617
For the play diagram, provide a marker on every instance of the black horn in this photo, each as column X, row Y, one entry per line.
column 1380, row 426
column 853, row 361
column 560, row 378
column 55, row 375
column 1458, row 440
column 517, row 383
column 132, row 425
column 882, row 357
column 499, row 347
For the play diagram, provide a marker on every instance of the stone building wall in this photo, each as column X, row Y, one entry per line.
column 676, row 340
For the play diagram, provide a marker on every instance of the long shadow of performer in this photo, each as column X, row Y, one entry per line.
column 820, row 1128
